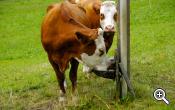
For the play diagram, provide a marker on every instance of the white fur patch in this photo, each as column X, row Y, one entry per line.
column 95, row 60
column 65, row 84
column 108, row 8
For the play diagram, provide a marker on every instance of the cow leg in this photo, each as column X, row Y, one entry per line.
column 73, row 78
column 73, row 74
column 61, row 78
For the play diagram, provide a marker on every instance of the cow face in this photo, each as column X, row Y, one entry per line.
column 108, row 16
column 92, row 43
column 99, row 55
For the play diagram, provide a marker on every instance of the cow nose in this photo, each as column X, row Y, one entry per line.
column 109, row 28
column 101, row 52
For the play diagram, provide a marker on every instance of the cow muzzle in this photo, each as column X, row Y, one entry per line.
column 109, row 28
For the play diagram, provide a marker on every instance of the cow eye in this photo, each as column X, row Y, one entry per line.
column 115, row 16
column 90, row 43
column 102, row 16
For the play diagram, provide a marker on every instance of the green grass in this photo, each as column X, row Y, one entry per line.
column 27, row 81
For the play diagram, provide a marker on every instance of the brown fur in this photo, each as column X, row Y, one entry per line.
column 92, row 8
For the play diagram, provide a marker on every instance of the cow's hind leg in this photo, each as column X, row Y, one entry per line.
column 73, row 78
column 61, row 78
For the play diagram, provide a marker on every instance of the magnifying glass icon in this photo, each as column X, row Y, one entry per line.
column 159, row 94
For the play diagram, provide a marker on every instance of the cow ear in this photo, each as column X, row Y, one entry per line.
column 116, row 17
column 65, row 13
column 80, row 7
column 50, row 7
column 82, row 38
column 96, row 7
column 117, row 13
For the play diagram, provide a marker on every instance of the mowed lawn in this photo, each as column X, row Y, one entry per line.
column 27, row 80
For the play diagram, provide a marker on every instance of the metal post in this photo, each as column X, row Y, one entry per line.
column 124, row 42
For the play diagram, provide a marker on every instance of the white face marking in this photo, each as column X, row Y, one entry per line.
column 108, row 9
column 96, row 59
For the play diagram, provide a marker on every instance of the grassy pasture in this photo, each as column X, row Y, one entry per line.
column 27, row 80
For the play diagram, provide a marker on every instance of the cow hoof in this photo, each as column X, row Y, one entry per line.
column 62, row 100
column 75, row 99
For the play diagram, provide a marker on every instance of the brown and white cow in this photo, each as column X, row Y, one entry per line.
column 66, row 38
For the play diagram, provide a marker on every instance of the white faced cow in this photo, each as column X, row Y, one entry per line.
column 108, row 13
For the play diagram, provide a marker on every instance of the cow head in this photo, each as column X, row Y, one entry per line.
column 92, row 42
column 98, row 57
column 108, row 16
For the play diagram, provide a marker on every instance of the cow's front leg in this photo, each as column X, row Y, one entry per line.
column 61, row 78
column 73, row 78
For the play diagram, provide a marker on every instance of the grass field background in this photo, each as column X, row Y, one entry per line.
column 27, row 80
